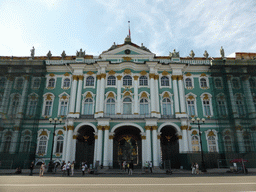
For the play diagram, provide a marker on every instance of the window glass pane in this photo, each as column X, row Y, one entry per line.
column 90, row 81
column 164, row 81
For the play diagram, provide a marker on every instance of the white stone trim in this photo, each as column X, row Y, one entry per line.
column 210, row 103
column 93, row 100
column 62, row 82
column 60, row 100
column 179, row 132
column 48, row 77
column 82, row 124
column 32, row 83
column 127, row 124
column 192, row 81
column 216, row 139
column 85, row 77
column 170, row 81
column 207, row 82
column 52, row 99
column 195, row 102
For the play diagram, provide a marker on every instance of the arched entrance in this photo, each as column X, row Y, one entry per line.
column 170, row 147
column 85, row 145
column 127, row 146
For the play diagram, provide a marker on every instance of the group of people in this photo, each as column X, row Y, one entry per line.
column 149, row 165
column 67, row 168
column 195, row 168
column 128, row 166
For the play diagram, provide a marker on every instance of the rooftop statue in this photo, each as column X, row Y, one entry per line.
column 49, row 55
column 144, row 48
column 80, row 53
column 32, row 52
column 192, row 54
column 63, row 55
column 206, row 55
column 222, row 53
column 113, row 46
column 174, row 53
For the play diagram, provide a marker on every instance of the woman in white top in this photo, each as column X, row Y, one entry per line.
column 42, row 168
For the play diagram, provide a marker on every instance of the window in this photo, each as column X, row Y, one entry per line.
column 63, row 108
column 19, row 83
column 26, row 144
column 240, row 107
column 207, row 108
column 111, row 81
column 203, row 83
column 222, row 107
column 143, row 81
column 2, row 83
column 51, row 83
column 252, row 83
column 32, row 107
column 59, row 144
column 212, row 144
column 235, row 83
column 195, row 143
column 14, row 105
column 110, row 106
column 143, row 106
column 48, row 107
column 42, row 145
column 88, row 104
column 127, row 106
column 191, row 108
column 167, row 106
column 7, row 144
column 218, row 83
column 247, row 142
column 36, row 83
column 90, row 81
column 127, row 81
column 164, row 81
column 66, row 83
column 228, row 144
column 188, row 83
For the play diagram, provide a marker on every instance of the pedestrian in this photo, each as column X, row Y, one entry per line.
column 150, row 166
column 128, row 167
column 31, row 168
column 131, row 167
column 42, row 168
column 62, row 164
column 72, row 168
column 124, row 166
column 193, row 167
column 68, row 167
column 55, row 167
column 83, row 169
column 197, row 168
column 64, row 167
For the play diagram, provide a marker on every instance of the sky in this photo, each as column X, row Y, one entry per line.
column 161, row 25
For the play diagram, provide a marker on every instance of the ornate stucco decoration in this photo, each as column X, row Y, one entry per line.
column 127, row 93
column 165, row 73
column 60, row 132
column 203, row 75
column 143, row 73
column 144, row 95
column 211, row 133
column 194, row 132
column 206, row 97
column 166, row 95
column 74, row 136
column 111, row 95
column 151, row 75
column 127, row 58
column 43, row 133
column 179, row 136
column 188, row 74
column 119, row 77
column 88, row 95
column 127, row 71
column 111, row 72
column 227, row 132
column 136, row 77
column 51, row 75
column 90, row 73
column 66, row 74
column 49, row 97
column 191, row 97
column 64, row 97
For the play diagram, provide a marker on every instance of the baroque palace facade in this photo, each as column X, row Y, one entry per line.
column 128, row 104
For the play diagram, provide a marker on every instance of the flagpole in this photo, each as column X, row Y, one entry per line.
column 129, row 29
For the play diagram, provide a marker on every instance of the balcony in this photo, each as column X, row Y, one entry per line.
column 167, row 116
column 124, row 116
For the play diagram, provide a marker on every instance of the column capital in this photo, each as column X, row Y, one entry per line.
column 158, row 136
column 135, row 77
column 180, row 77
column 80, row 77
column 98, row 77
column 174, row 77
column 96, row 136
column 75, row 77
column 74, row 136
column 184, row 127
column 100, row 127
column 154, row 127
column 238, row 128
column 147, row 127
column 70, row 127
column 151, row 75
column 119, row 77
column 245, row 78
column 179, row 136
column 103, row 75
column 111, row 137
column 143, row 137
column 16, row 128
column 156, row 77
column 107, row 127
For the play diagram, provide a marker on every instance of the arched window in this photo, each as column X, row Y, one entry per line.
column 195, row 143
column 111, row 106
column 32, row 107
column 203, row 82
column 252, row 83
column 90, row 81
column 247, row 142
column 218, row 83
column 42, row 145
column 191, row 107
column 7, row 144
column 36, row 83
column 212, row 144
column 228, row 143
column 2, row 82
column 59, row 144
column 51, row 83
column 207, row 108
column 144, row 106
column 188, row 82
column 88, row 104
column 235, row 83
column 127, row 80
column 14, row 105
column 127, row 106
column 167, row 106
column 165, row 81
column 111, row 81
column 63, row 108
column 222, row 107
column 66, row 83
column 48, row 108
column 240, row 106
column 19, row 83
column 143, row 81
column 26, row 144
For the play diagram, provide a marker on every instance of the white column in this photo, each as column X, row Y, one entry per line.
column 184, row 138
column 248, row 95
column 79, row 94
column 7, row 91
column 180, row 143
column 106, row 148
column 233, row 104
column 159, row 148
column 99, row 147
column 14, row 140
column 65, row 143
column 155, row 152
column 102, row 94
column 157, row 95
column 118, row 109
column 143, row 148
column 69, row 142
column 240, row 140
column 73, row 147
column 73, row 95
column 111, row 148
column 182, row 95
column 23, row 96
column 136, row 102
column 148, row 143
column 152, row 95
column 176, row 96
column 95, row 149
column 98, row 94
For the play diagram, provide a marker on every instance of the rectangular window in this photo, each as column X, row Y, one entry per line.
column 207, row 109
column 191, row 108
column 222, row 108
column 63, row 108
column 48, row 107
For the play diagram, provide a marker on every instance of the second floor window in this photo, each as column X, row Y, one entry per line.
column 111, row 81
column 66, row 83
column 48, row 107
column 90, row 81
column 167, row 106
column 42, row 145
column 240, row 108
column 51, row 82
column 212, row 144
column 26, row 144
column 235, row 84
column 143, row 106
column 188, row 82
column 222, row 108
column 88, row 104
column 207, row 108
column 143, row 81
column 32, row 107
column 203, row 82
column 165, row 81
column 127, row 106
column 218, row 83
column 127, row 81
column 63, row 108
column 228, row 144
column 36, row 83
column 111, row 106
column 59, row 144
column 191, row 108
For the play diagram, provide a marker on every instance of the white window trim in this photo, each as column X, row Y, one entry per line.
column 161, row 101
column 195, row 102
column 32, row 84
column 55, row 141
column 29, row 99
column 106, row 98
column 215, row 78
column 149, row 102
column 143, row 86
column 216, row 140
column 106, row 85
column 122, row 81
column 239, row 83
column 122, row 104
column 207, row 82
column 170, row 81
column 93, row 104
column 94, row 83
column 52, row 97
column 47, row 81
column 60, row 100
column 192, row 81
column 62, row 82
column 210, row 103
column 47, row 141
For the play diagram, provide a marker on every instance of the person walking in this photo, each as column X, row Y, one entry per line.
column 193, row 167
column 64, row 168
column 83, row 169
column 42, row 168
column 150, row 166
column 68, row 167
column 124, row 166
column 72, row 168
column 31, row 168
column 131, row 167
column 197, row 168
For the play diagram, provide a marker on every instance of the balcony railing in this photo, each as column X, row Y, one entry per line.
column 124, row 116
column 167, row 116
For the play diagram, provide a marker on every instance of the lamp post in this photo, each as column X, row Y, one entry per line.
column 55, row 122
column 197, row 122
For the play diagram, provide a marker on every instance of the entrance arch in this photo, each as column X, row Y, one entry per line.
column 127, row 146
column 85, row 142
column 170, row 146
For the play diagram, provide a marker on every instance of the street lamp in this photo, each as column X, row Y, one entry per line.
column 55, row 122
column 197, row 122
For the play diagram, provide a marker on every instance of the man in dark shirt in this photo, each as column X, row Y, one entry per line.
column 31, row 168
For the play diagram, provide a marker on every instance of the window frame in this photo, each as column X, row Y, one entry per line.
column 109, row 106
column 143, row 81
column 129, row 82
column 111, row 81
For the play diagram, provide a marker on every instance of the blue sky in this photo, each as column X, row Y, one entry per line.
column 161, row 25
